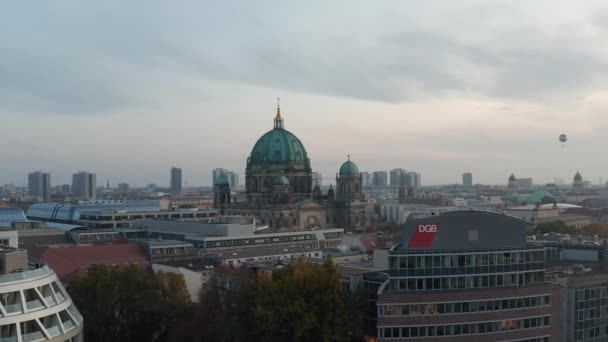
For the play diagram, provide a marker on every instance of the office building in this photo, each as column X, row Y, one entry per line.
column 123, row 187
column 468, row 275
column 34, row 304
column 467, row 179
column 380, row 178
column 233, row 178
column 412, row 179
column 84, row 185
column 175, row 185
column 396, row 177
column 366, row 179
column 114, row 214
column 39, row 184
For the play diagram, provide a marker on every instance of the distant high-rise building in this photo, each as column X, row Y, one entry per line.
column 380, row 178
column 39, row 184
column 84, row 184
column 396, row 177
column 65, row 188
column 410, row 179
column 317, row 178
column 123, row 187
column 467, row 179
column 366, row 179
column 232, row 177
column 176, row 180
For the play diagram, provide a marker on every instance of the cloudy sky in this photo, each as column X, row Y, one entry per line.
column 128, row 88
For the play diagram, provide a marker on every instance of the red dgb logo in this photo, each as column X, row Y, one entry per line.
column 427, row 228
column 424, row 235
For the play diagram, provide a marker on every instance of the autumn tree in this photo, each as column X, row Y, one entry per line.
column 127, row 304
column 554, row 227
column 304, row 302
column 222, row 310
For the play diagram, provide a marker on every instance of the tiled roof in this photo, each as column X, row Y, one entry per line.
column 66, row 261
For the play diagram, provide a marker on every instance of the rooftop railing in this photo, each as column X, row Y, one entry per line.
column 26, row 275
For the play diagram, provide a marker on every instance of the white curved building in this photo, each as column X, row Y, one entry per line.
column 34, row 305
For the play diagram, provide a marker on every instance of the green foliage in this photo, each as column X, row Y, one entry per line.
column 304, row 302
column 555, row 227
column 127, row 304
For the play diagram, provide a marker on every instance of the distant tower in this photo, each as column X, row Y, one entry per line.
column 348, row 182
column 84, row 184
column 331, row 195
column 221, row 191
column 175, row 183
column 316, row 192
column 512, row 186
column 467, row 179
column 108, row 184
column 39, row 184
column 577, row 184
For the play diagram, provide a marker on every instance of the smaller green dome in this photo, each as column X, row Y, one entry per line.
column 221, row 180
column 578, row 177
column 512, row 178
column 349, row 168
column 281, row 180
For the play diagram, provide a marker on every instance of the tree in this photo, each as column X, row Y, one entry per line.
column 555, row 227
column 223, row 311
column 126, row 304
column 304, row 302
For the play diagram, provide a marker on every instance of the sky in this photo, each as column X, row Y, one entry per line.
column 127, row 89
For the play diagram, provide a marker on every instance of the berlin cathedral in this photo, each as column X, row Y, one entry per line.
column 279, row 190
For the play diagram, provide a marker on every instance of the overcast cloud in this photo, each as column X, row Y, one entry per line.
column 128, row 88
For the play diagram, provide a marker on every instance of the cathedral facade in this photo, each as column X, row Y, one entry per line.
column 279, row 190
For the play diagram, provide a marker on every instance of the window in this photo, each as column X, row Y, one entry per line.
column 473, row 234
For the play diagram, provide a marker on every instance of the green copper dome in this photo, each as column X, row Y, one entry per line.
column 281, row 180
column 512, row 178
column 221, row 180
column 349, row 168
column 278, row 146
column 578, row 177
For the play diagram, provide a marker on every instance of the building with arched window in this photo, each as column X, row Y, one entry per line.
column 279, row 189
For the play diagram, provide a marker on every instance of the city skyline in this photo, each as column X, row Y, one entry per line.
column 440, row 95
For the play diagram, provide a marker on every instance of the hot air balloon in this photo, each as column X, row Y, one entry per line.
column 563, row 138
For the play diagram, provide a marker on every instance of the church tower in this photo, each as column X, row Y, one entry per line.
column 221, row 192
column 512, row 185
column 348, row 182
column 577, row 184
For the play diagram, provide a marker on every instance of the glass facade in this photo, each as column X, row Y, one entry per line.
column 450, row 308
column 68, row 213
column 11, row 214
column 591, row 313
column 476, row 328
column 424, row 270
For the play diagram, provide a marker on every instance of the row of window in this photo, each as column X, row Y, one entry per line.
column 464, row 329
column 467, row 260
column 591, row 293
column 494, row 269
column 467, row 282
column 591, row 313
column 464, row 307
column 592, row 333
